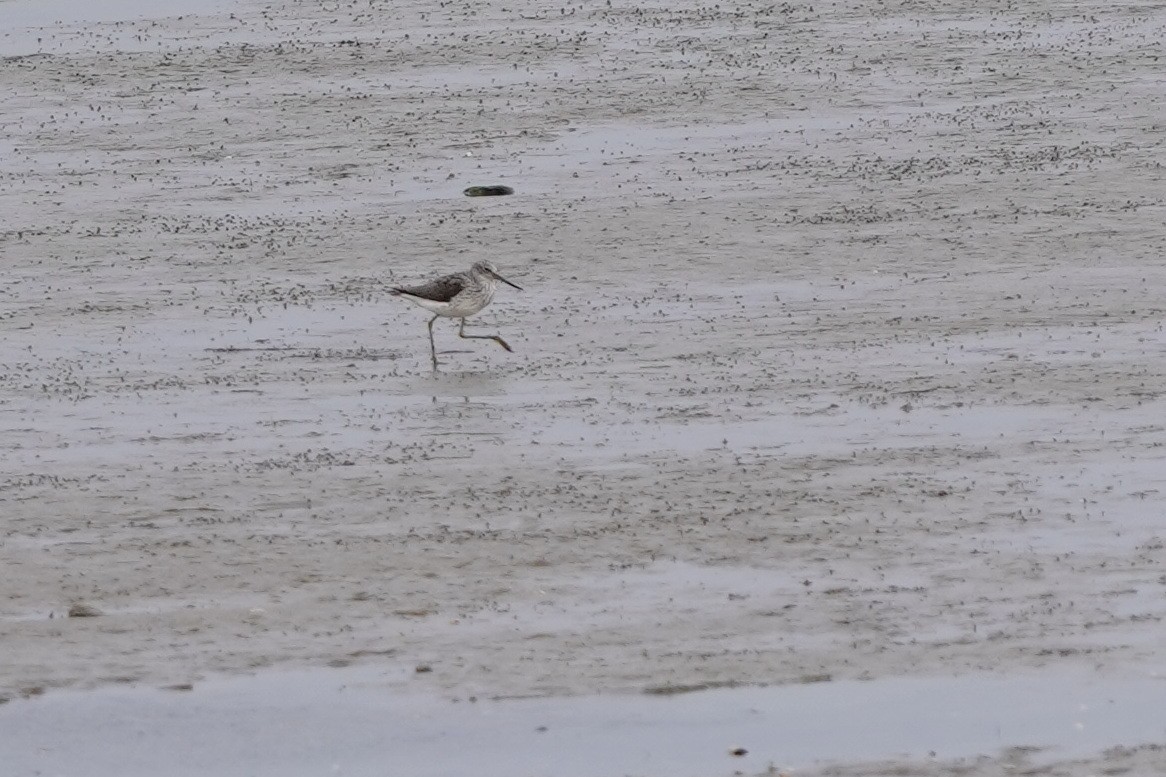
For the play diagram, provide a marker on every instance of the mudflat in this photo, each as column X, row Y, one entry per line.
column 839, row 356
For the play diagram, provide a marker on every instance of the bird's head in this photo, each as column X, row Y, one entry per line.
column 488, row 269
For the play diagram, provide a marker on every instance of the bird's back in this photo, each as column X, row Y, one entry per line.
column 457, row 296
column 441, row 289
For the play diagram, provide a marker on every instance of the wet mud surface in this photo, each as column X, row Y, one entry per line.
column 840, row 354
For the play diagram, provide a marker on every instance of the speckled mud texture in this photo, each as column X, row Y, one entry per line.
column 839, row 356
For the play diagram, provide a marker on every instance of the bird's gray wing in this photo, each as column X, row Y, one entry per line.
column 439, row 290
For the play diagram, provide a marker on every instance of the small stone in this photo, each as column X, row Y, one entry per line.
column 81, row 610
column 488, row 191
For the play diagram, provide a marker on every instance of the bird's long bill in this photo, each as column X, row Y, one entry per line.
column 508, row 283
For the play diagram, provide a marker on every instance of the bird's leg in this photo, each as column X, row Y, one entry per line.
column 462, row 333
column 432, row 347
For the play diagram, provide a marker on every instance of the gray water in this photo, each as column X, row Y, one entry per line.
column 56, row 26
column 350, row 722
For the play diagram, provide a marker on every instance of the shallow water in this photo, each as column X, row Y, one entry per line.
column 24, row 23
column 348, row 722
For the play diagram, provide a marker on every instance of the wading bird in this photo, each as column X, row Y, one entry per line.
column 458, row 295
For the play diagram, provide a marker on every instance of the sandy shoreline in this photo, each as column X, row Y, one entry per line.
column 841, row 353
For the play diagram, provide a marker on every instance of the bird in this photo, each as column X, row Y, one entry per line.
column 458, row 295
